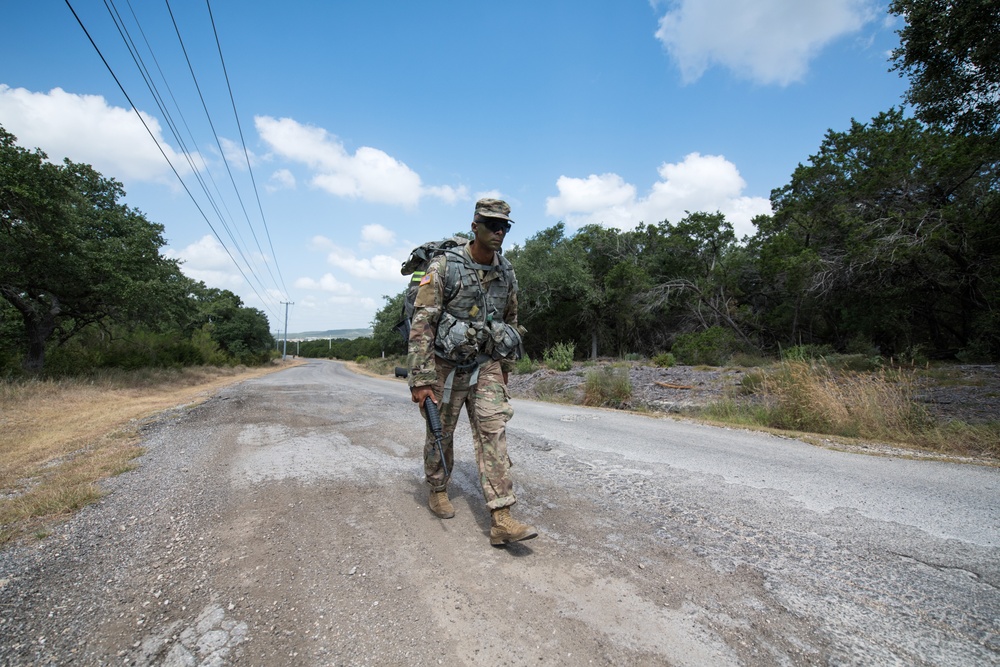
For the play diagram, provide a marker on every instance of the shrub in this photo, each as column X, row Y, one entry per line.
column 360, row 359
column 609, row 387
column 976, row 352
column 525, row 365
column 664, row 360
column 559, row 357
column 712, row 347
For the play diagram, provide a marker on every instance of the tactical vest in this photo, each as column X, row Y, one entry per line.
column 473, row 310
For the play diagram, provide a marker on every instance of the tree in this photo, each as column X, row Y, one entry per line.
column 951, row 51
column 384, row 333
column 73, row 256
column 889, row 232
column 555, row 290
column 240, row 331
column 697, row 258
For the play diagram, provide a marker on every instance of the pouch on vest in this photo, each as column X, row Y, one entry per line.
column 456, row 339
column 504, row 341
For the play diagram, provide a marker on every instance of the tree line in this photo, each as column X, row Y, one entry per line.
column 83, row 284
column 885, row 241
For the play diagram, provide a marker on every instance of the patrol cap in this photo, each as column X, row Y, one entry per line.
column 493, row 208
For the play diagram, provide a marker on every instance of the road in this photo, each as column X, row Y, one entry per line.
column 284, row 522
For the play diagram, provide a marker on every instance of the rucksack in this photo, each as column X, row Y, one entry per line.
column 421, row 258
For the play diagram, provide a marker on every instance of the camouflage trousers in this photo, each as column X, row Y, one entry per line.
column 488, row 407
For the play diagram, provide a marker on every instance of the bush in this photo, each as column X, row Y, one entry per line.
column 559, row 357
column 608, row 387
column 525, row 365
column 976, row 352
column 361, row 359
column 711, row 347
column 664, row 360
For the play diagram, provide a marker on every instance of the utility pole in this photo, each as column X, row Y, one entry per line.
column 284, row 348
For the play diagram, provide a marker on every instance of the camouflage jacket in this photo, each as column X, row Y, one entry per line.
column 457, row 295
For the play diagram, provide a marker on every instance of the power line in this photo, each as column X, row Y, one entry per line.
column 174, row 129
column 211, row 124
column 246, row 153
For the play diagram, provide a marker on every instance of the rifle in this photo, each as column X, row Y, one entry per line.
column 434, row 421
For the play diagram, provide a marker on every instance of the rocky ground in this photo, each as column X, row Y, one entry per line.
column 969, row 393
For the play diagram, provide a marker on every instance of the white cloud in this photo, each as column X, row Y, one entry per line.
column 327, row 284
column 86, row 129
column 590, row 194
column 236, row 156
column 206, row 260
column 377, row 234
column 320, row 242
column 282, row 179
column 369, row 174
column 766, row 41
column 706, row 183
column 379, row 267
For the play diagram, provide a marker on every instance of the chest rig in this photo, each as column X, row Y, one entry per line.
column 475, row 298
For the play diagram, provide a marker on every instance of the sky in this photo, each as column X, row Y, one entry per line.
column 303, row 148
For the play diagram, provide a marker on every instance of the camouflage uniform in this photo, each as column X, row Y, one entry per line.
column 493, row 298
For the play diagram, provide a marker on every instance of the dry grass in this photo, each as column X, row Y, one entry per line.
column 59, row 439
column 608, row 387
column 812, row 397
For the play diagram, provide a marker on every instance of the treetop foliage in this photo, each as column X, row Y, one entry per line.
column 76, row 259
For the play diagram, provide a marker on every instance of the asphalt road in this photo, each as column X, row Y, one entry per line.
column 284, row 522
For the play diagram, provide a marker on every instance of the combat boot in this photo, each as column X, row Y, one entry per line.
column 506, row 528
column 440, row 504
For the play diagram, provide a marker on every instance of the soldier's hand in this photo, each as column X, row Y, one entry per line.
column 504, row 376
column 418, row 394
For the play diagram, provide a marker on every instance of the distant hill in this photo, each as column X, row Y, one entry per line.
column 349, row 334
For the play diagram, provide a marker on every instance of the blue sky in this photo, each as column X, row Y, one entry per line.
column 373, row 126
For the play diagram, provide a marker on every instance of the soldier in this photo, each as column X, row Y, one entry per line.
column 464, row 339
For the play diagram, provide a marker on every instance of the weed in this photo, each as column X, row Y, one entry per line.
column 664, row 360
column 609, row 386
column 559, row 357
column 382, row 365
column 525, row 366
column 554, row 390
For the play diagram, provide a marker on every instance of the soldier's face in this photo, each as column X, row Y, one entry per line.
column 491, row 232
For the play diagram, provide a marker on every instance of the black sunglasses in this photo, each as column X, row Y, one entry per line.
column 495, row 225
